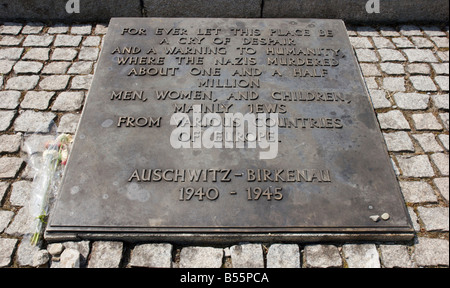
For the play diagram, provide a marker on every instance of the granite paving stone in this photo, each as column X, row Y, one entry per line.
column 441, row 162
column 9, row 99
column 442, row 185
column 152, row 256
column 5, row 119
column 201, row 257
column 434, row 218
column 426, row 121
column 283, row 256
column 393, row 120
column 106, row 254
column 418, row 192
column 322, row 256
column 415, row 166
column 431, row 252
column 396, row 256
column 22, row 82
column 31, row 121
column 411, row 101
column 361, row 256
column 247, row 256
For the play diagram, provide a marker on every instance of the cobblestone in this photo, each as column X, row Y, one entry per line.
column 415, row 166
column 405, row 69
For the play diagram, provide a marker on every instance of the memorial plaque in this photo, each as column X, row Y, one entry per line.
column 228, row 130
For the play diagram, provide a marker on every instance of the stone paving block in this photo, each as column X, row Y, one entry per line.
column 379, row 99
column 106, row 254
column 398, row 141
column 70, row 258
column 440, row 68
column 423, row 83
column 322, row 256
column 422, row 42
column 56, row 68
column 426, row 121
column 441, row 101
column 431, row 252
column 369, row 69
column 392, row 68
column 247, row 256
column 394, row 84
column 418, row 68
column 152, row 256
column 361, row 256
column 11, row 40
column 434, row 218
column 444, row 139
column 92, row 41
column 5, row 119
column 418, row 192
column 393, row 120
column 88, row 54
column 442, row 185
column 10, row 28
column 82, row 67
column 410, row 30
column 81, row 29
column 39, row 100
column 37, row 54
column 420, row 55
column 428, row 142
column 31, row 121
column 54, row 82
column 68, row 101
column 6, row 66
column 28, row 67
column 10, row 53
column 67, row 40
column 58, row 28
column 360, row 42
column 440, row 42
column 38, row 41
column 415, row 166
column 366, row 55
column 3, row 187
column 64, row 54
column 383, row 43
column 33, row 28
column 441, row 162
column 81, row 82
column 402, row 42
column 201, row 257
column 5, row 218
column 411, row 101
column 391, row 55
column 283, row 256
column 9, row 99
column 21, row 223
column 7, row 247
column 10, row 144
column 22, row 82
column 396, row 256
column 20, row 193
column 68, row 123
column 443, row 82
column 445, row 119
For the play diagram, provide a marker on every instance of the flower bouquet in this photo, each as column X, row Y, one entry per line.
column 46, row 181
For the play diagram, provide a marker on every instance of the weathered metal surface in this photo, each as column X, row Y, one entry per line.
column 332, row 172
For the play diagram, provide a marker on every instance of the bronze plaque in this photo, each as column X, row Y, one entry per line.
column 228, row 130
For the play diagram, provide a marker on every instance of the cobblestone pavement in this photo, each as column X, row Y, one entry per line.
column 46, row 71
